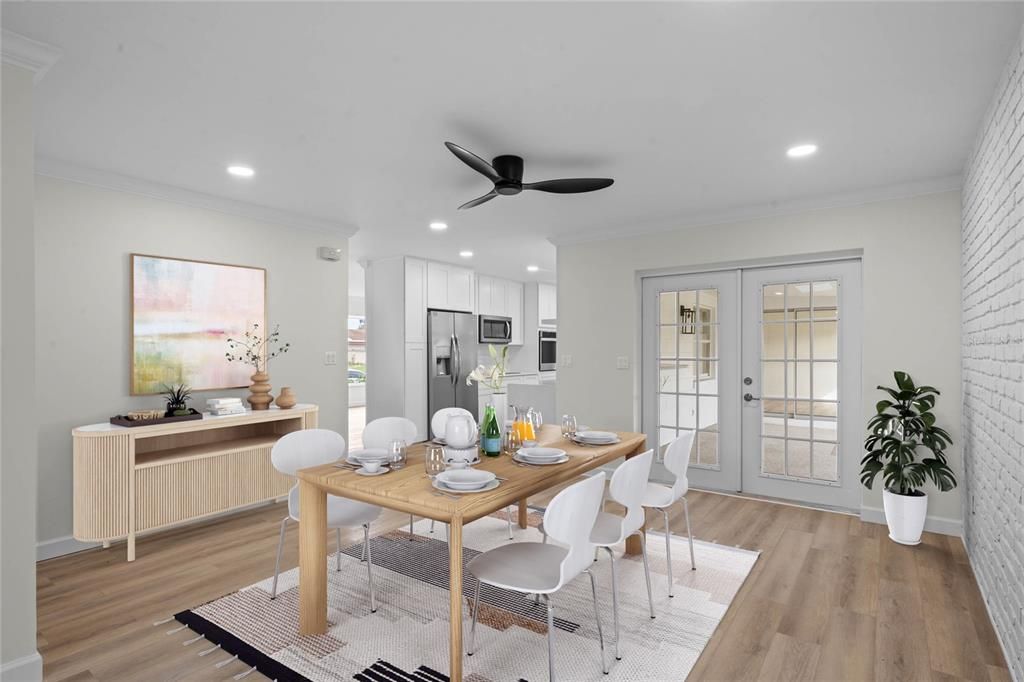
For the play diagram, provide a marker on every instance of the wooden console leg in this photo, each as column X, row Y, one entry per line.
column 522, row 513
column 131, row 547
column 106, row 544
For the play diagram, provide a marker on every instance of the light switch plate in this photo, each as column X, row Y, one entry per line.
column 566, row 361
column 331, row 357
column 622, row 362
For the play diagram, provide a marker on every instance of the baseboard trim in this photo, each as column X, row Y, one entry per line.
column 25, row 669
column 933, row 524
column 51, row 549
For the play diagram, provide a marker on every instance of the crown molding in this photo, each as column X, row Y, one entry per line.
column 63, row 170
column 29, row 54
column 757, row 211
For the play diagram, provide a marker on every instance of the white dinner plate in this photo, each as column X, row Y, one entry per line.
column 465, row 479
column 541, row 454
column 378, row 472
column 597, row 436
column 452, row 491
column 540, row 462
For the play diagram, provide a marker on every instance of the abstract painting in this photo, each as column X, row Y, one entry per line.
column 183, row 312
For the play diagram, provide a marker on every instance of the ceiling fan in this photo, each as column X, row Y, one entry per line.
column 506, row 172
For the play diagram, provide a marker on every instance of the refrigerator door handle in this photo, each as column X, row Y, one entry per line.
column 457, row 373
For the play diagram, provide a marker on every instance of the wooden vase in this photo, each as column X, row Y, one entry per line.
column 259, row 391
column 286, row 399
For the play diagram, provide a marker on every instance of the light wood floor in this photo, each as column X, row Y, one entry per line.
column 830, row 598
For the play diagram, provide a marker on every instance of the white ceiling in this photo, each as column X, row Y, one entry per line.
column 343, row 108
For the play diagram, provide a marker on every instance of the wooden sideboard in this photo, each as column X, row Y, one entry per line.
column 133, row 480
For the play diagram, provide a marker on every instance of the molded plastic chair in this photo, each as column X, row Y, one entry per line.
column 541, row 568
column 440, row 419
column 627, row 487
column 310, row 448
column 379, row 433
column 661, row 497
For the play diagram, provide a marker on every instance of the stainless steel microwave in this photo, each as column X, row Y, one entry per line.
column 547, row 351
column 495, row 329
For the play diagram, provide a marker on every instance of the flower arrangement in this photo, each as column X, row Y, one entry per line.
column 256, row 350
column 493, row 377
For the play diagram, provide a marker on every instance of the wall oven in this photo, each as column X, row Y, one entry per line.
column 548, row 354
column 495, row 329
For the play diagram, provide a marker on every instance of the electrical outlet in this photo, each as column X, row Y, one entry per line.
column 622, row 362
column 331, row 357
column 566, row 360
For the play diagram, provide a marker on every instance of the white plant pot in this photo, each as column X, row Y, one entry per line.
column 905, row 517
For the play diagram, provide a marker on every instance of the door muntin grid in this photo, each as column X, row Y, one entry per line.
column 800, row 381
column 688, row 370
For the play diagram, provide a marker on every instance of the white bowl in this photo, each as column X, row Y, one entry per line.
column 541, row 454
column 369, row 455
column 465, row 479
column 372, row 466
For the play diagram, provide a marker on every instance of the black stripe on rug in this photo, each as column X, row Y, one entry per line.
column 382, row 671
column 246, row 653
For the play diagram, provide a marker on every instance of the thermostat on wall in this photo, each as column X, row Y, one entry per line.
column 329, row 253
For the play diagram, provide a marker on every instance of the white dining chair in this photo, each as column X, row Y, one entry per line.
column 381, row 432
column 440, row 419
column 544, row 568
column 661, row 497
column 627, row 487
column 310, row 448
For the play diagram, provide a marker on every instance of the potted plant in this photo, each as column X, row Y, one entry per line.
column 257, row 350
column 177, row 397
column 906, row 446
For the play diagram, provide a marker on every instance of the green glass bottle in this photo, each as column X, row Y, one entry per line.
column 490, row 434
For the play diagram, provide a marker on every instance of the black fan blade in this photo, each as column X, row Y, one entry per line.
column 473, row 161
column 479, row 200
column 569, row 185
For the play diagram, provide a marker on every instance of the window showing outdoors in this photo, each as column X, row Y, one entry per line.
column 799, row 381
column 356, row 349
column 688, row 371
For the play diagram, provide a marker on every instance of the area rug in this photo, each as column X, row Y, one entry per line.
column 407, row 638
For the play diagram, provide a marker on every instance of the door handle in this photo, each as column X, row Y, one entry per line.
column 508, row 331
column 749, row 398
column 452, row 359
column 458, row 362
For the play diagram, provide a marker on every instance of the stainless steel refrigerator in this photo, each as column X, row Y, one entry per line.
column 451, row 356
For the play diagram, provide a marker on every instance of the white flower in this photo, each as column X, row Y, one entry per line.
column 492, row 376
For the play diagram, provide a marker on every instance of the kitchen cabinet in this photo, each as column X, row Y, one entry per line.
column 415, row 301
column 449, row 287
column 547, row 305
column 505, row 298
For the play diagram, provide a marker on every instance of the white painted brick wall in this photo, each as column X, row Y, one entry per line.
column 992, row 273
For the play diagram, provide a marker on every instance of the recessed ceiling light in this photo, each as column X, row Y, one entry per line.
column 438, row 225
column 801, row 150
column 532, row 268
column 241, row 171
column 466, row 254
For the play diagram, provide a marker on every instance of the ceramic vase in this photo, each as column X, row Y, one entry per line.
column 286, row 399
column 259, row 391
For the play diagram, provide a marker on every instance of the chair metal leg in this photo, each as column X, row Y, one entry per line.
column 277, row 564
column 686, row 509
column 551, row 638
column 362, row 556
column 597, row 617
column 647, row 571
column 615, row 602
column 369, row 566
column 432, row 522
column 337, row 538
column 472, row 628
column 508, row 515
column 410, row 527
column 668, row 551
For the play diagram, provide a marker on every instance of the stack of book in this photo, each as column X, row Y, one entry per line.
column 222, row 406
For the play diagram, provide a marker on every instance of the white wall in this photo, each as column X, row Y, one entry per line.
column 84, row 237
column 18, row 656
column 911, row 256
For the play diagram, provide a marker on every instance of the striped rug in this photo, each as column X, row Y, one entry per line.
column 406, row 640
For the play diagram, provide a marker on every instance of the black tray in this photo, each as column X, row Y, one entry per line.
column 121, row 420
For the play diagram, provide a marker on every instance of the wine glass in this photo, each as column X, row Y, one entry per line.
column 568, row 426
column 399, row 453
column 511, row 442
column 433, row 461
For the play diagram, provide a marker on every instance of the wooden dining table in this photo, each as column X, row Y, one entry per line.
column 409, row 490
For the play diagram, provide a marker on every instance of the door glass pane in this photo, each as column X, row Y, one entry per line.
column 707, row 444
column 687, row 412
column 688, row 376
column 667, row 342
column 667, row 382
column 668, row 311
column 687, row 341
column 693, row 447
column 708, row 375
column 800, row 380
column 667, row 409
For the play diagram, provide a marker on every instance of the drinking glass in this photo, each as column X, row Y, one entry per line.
column 511, row 442
column 433, row 461
column 568, row 426
column 537, row 420
column 399, row 452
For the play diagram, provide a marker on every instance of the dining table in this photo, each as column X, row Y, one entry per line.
column 410, row 490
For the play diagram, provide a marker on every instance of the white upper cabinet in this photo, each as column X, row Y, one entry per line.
column 504, row 298
column 547, row 305
column 449, row 287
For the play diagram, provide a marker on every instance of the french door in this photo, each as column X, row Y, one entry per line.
column 763, row 366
